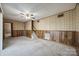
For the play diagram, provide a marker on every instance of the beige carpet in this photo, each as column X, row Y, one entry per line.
column 23, row 46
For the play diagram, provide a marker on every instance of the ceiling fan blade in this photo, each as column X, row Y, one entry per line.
column 21, row 13
column 33, row 17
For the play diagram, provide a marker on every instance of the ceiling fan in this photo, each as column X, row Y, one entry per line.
column 28, row 16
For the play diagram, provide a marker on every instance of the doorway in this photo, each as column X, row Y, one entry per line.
column 7, row 33
column 7, row 30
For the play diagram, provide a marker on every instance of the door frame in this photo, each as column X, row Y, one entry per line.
column 11, row 29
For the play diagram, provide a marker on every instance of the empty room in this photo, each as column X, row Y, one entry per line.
column 39, row 29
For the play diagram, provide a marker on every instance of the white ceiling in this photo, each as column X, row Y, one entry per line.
column 40, row 10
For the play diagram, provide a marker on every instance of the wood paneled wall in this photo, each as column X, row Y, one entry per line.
column 17, row 33
column 65, row 37
column 40, row 33
column 28, row 33
column 77, row 38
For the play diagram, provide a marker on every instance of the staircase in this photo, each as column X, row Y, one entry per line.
column 34, row 36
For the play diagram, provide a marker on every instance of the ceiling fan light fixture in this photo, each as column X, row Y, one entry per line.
column 28, row 16
column 32, row 15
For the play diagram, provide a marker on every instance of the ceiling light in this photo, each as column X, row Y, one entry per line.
column 28, row 16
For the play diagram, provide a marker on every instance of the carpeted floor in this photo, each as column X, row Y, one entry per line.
column 23, row 46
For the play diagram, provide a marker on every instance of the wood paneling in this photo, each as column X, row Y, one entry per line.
column 17, row 33
column 40, row 33
column 65, row 37
column 28, row 33
column 76, row 39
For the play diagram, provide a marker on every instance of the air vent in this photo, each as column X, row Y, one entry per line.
column 60, row 15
